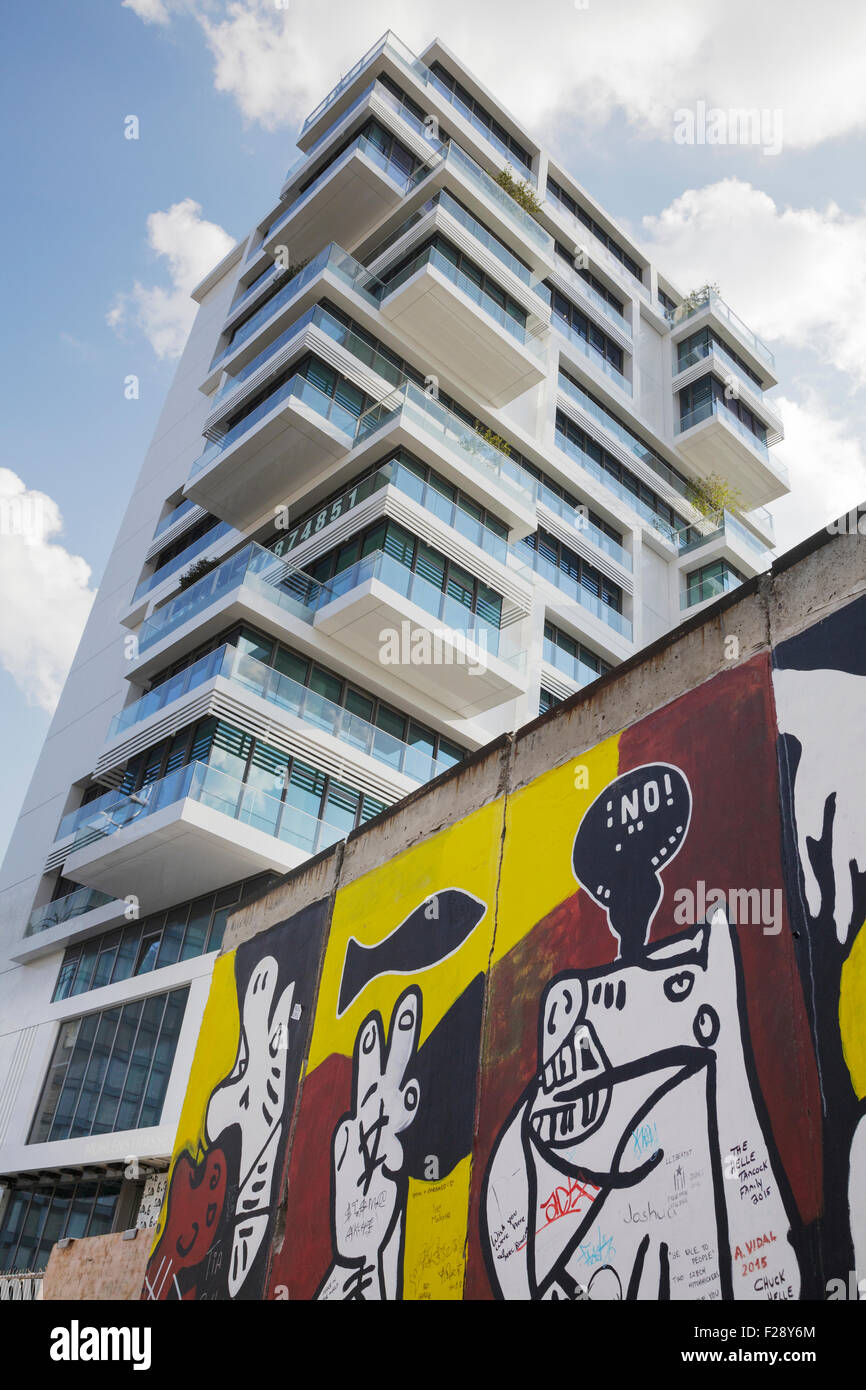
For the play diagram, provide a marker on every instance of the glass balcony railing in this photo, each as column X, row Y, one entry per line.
column 331, row 259
column 216, row 533
column 713, row 349
column 586, row 527
column 396, row 474
column 403, row 56
column 454, row 616
column 402, row 108
column 591, row 354
column 598, row 300
column 466, row 168
column 318, row 317
column 161, row 695
column 491, row 244
column 577, row 591
column 714, row 302
column 391, row 168
column 595, row 470
column 65, row 909
column 255, row 569
column 625, row 437
column 599, row 250
column 710, row 587
column 714, row 407
column 290, row 696
column 448, row 431
column 296, row 388
column 220, row 792
column 569, row 665
column 734, row 528
column 484, row 301
column 183, row 509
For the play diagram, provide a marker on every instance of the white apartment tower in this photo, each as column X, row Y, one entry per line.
column 438, row 446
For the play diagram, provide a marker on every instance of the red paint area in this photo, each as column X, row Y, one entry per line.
column 305, row 1254
column 196, row 1199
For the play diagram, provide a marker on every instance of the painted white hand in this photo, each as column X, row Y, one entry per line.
column 367, row 1150
column 824, row 711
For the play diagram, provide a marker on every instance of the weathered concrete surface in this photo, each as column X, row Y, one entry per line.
column 100, row 1267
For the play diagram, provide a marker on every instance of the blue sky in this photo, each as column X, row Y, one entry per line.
column 105, row 235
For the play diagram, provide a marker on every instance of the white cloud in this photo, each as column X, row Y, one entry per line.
column 192, row 247
column 645, row 61
column 827, row 466
column 151, row 11
column 804, row 287
column 46, row 593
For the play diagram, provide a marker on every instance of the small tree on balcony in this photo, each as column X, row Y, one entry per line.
column 196, row 571
column 712, row 496
column 495, row 440
column 695, row 298
column 522, row 192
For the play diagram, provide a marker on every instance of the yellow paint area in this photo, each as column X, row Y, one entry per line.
column 542, row 822
column 214, row 1058
column 852, row 1012
column 465, row 856
column 433, row 1261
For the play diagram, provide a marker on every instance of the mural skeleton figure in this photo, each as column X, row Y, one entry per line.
column 630, row 1166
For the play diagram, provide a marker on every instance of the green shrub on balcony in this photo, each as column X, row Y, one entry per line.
column 196, row 571
column 522, row 192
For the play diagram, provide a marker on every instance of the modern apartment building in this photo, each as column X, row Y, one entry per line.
column 438, row 446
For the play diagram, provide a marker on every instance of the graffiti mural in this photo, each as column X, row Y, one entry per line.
column 214, row 1236
column 601, row 1039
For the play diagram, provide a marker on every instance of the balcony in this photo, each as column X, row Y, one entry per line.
column 571, row 666
column 584, row 527
column 345, row 202
column 462, row 329
column 489, row 200
column 296, row 715
column 191, row 832
column 708, row 589
column 577, row 343
column 577, row 593
column 173, row 567
column 559, row 212
column 587, row 463
column 450, row 446
column 80, row 914
column 275, row 450
column 713, row 307
column 730, row 540
column 455, row 656
column 689, row 366
column 714, row 440
column 332, row 267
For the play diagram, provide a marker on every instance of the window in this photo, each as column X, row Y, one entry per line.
column 702, row 397
column 554, row 553
column 480, row 117
column 109, row 1070
column 578, row 323
column 547, row 700
column 35, row 1219
column 558, row 643
column 463, row 266
column 711, row 580
column 596, row 228
column 593, row 280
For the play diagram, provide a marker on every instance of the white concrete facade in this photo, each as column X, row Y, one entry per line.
column 470, row 317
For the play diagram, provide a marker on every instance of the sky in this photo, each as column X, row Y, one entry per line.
column 105, row 236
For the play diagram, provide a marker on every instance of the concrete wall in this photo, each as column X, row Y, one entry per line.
column 102, row 1267
column 583, row 1018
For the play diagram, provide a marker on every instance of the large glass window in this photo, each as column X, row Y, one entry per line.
column 555, row 553
column 595, row 227
column 478, row 115
column 710, row 581
column 35, row 1219
column 110, row 1070
column 578, row 322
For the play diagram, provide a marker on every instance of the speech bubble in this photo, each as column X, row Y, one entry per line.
column 627, row 837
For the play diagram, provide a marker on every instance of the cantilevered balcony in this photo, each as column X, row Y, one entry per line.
column 462, row 330
column 576, row 593
column 714, row 440
column 281, row 445
column 79, row 914
column 390, row 614
column 575, row 670
column 711, row 356
column 191, row 832
column 347, row 199
column 464, row 457
column 232, row 685
column 711, row 308
column 730, row 540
